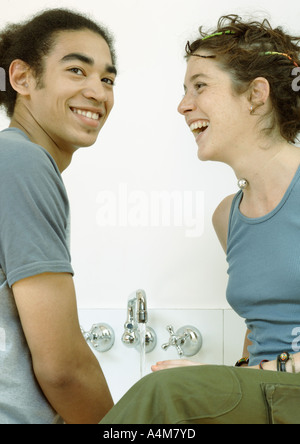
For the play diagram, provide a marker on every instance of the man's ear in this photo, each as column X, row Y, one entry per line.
column 19, row 76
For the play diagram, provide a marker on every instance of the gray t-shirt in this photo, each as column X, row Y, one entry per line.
column 34, row 215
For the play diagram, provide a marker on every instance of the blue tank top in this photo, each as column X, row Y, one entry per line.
column 263, row 257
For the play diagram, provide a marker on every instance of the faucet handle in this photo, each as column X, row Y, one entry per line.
column 187, row 340
column 174, row 341
column 100, row 336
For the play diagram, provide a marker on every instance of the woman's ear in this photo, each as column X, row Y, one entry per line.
column 259, row 92
column 19, row 76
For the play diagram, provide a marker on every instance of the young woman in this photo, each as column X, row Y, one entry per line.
column 243, row 105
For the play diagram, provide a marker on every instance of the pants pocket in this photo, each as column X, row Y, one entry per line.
column 283, row 403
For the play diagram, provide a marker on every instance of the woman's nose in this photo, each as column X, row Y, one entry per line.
column 186, row 105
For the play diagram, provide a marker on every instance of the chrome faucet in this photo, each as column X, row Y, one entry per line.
column 137, row 313
column 140, row 303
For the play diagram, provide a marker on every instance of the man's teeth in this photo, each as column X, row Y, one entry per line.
column 199, row 125
column 88, row 114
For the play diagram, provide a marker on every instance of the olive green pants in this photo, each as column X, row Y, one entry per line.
column 210, row 395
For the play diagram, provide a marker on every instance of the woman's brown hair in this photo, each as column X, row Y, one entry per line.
column 247, row 50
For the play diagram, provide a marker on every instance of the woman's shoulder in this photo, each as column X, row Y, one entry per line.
column 220, row 219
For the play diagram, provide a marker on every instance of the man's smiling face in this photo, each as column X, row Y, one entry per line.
column 75, row 94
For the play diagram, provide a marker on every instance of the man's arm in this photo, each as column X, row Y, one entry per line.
column 65, row 367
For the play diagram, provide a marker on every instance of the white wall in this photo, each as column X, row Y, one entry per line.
column 144, row 149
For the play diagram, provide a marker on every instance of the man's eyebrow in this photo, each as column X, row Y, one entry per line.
column 111, row 69
column 77, row 56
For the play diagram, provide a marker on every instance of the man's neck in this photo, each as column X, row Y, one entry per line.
column 38, row 135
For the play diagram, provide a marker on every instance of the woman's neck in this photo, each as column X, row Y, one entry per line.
column 269, row 173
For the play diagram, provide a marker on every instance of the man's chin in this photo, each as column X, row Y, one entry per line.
column 85, row 142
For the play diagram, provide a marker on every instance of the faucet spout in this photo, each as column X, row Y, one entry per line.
column 137, row 309
column 137, row 313
column 141, row 307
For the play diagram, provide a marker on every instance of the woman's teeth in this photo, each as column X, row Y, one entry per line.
column 199, row 126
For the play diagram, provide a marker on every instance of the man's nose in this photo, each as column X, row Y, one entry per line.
column 96, row 90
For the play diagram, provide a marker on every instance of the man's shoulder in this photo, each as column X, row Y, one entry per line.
column 14, row 142
column 18, row 153
column 13, row 137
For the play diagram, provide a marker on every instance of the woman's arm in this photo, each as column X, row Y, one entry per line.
column 272, row 365
column 220, row 220
column 267, row 366
column 247, row 344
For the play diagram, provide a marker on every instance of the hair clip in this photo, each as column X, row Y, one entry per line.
column 218, row 34
column 280, row 53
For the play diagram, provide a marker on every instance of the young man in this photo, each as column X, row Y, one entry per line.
column 61, row 74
